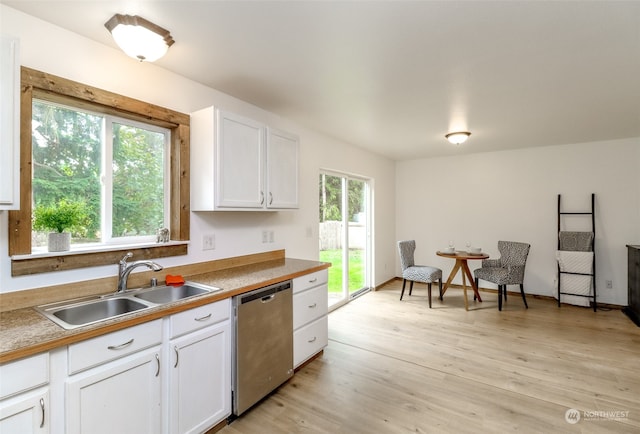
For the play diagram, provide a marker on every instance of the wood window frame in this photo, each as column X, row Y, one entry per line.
column 41, row 85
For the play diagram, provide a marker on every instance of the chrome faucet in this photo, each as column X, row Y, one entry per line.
column 124, row 269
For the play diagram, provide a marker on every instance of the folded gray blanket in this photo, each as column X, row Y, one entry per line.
column 576, row 241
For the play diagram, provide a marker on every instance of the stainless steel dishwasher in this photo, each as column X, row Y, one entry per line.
column 263, row 356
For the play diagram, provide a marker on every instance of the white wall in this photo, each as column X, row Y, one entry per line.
column 512, row 195
column 54, row 50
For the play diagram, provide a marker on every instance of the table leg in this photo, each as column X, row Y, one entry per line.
column 464, row 288
column 451, row 276
column 465, row 270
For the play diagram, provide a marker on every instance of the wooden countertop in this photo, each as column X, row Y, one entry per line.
column 26, row 332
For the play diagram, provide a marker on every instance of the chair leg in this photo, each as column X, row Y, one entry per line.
column 429, row 293
column 474, row 294
column 440, row 287
column 505, row 292
column 499, row 297
column 410, row 287
column 523, row 296
column 404, row 282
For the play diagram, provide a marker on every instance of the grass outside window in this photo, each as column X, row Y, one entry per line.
column 356, row 269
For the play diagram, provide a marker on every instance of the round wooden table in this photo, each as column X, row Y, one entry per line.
column 461, row 258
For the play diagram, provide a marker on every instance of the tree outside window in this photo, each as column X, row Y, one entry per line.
column 121, row 181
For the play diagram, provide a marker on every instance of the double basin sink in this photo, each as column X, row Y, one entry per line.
column 81, row 312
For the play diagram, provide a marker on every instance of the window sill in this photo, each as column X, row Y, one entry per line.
column 91, row 256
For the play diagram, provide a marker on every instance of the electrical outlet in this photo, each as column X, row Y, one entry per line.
column 609, row 284
column 271, row 236
column 209, row 242
column 309, row 232
column 265, row 236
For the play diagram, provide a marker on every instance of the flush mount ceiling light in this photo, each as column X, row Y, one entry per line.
column 458, row 137
column 139, row 38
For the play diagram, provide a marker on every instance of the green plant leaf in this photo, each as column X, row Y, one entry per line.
column 66, row 215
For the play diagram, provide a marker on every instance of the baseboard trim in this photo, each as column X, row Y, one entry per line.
column 393, row 279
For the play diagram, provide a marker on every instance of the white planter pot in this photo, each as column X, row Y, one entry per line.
column 59, row 242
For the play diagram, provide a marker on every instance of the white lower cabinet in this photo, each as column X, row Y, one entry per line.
column 199, row 373
column 309, row 340
column 24, row 399
column 119, row 397
column 310, row 309
column 115, row 382
column 25, row 413
column 171, row 375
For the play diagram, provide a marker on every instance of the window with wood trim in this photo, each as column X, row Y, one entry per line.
column 62, row 92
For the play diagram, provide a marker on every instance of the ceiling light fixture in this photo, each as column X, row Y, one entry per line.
column 458, row 137
column 139, row 38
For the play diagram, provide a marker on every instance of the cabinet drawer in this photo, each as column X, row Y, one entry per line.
column 309, row 340
column 101, row 349
column 13, row 379
column 310, row 280
column 199, row 317
column 309, row 305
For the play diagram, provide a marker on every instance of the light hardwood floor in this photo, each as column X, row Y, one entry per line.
column 397, row 367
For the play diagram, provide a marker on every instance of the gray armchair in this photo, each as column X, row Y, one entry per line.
column 506, row 270
column 416, row 273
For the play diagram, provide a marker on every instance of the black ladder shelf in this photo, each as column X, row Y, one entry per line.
column 591, row 213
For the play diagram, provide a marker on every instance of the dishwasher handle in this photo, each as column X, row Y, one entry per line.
column 268, row 298
column 265, row 294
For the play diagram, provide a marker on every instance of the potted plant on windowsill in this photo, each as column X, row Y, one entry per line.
column 60, row 219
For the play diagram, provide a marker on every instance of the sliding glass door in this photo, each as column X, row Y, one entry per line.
column 344, row 234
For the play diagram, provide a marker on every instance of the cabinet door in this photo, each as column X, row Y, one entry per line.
column 239, row 162
column 119, row 397
column 9, row 123
column 25, row 413
column 282, row 170
column 200, row 380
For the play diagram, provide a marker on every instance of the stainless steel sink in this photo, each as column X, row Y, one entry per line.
column 167, row 294
column 80, row 313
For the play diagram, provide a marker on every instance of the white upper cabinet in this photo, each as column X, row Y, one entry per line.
column 282, row 169
column 9, row 123
column 238, row 164
column 240, row 157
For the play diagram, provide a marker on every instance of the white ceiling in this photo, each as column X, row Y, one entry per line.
column 394, row 76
